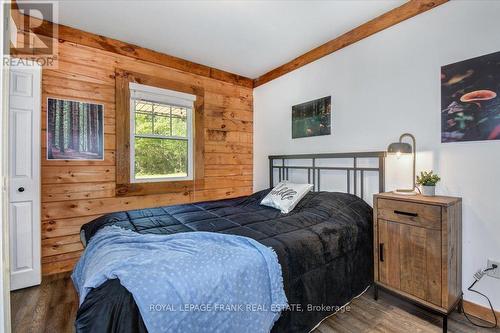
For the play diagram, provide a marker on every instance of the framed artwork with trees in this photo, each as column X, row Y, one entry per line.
column 312, row 118
column 75, row 130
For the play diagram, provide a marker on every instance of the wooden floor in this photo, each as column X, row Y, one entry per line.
column 52, row 307
column 390, row 314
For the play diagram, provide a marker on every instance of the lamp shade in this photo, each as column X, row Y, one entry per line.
column 399, row 147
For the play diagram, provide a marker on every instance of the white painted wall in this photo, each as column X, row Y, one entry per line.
column 388, row 84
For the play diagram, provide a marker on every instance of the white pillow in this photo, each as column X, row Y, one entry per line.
column 285, row 196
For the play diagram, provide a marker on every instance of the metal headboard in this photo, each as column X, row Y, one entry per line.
column 314, row 171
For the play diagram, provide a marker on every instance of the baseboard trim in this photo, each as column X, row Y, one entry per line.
column 480, row 311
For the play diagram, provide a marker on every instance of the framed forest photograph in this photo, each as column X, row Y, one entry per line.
column 312, row 118
column 75, row 130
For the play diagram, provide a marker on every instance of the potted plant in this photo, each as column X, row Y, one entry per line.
column 428, row 181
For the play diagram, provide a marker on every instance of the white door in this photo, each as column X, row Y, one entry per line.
column 24, row 176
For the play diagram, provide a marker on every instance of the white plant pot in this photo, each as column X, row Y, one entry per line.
column 428, row 191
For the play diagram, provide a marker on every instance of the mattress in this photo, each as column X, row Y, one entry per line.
column 324, row 247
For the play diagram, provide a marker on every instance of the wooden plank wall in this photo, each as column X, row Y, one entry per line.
column 75, row 192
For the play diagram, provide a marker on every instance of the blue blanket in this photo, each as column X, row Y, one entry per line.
column 188, row 282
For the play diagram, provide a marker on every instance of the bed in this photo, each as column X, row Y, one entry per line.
column 324, row 246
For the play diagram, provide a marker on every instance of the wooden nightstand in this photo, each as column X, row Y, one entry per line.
column 418, row 250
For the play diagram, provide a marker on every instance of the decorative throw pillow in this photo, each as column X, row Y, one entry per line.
column 285, row 196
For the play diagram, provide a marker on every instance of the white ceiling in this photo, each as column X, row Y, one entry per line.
column 244, row 37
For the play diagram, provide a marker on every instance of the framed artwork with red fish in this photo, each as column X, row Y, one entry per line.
column 470, row 101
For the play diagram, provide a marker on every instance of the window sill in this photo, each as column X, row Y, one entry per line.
column 160, row 180
column 163, row 187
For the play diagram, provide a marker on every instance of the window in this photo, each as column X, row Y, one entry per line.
column 161, row 140
column 164, row 152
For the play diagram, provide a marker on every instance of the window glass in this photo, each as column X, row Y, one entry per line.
column 160, row 158
column 161, row 141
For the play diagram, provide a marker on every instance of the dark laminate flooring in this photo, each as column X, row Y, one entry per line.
column 51, row 307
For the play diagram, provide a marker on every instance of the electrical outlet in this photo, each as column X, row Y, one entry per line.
column 494, row 272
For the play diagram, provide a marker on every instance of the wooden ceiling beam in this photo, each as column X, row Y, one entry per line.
column 384, row 21
column 81, row 37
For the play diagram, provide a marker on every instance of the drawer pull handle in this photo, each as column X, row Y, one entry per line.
column 381, row 252
column 399, row 212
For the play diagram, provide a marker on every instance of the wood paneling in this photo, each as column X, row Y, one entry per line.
column 78, row 191
column 62, row 227
column 228, row 113
column 75, row 192
column 384, row 21
column 220, row 123
column 234, row 137
column 59, row 264
column 77, row 174
column 241, row 148
column 223, row 193
column 228, row 170
column 224, row 158
column 60, row 245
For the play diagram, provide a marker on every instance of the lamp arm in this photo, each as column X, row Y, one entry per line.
column 414, row 142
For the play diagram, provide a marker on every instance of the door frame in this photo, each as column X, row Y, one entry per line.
column 4, row 196
column 5, row 318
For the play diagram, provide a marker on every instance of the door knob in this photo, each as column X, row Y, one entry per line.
column 21, row 189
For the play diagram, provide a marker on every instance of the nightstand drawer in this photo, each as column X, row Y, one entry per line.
column 422, row 215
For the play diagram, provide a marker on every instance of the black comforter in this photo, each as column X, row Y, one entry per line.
column 324, row 247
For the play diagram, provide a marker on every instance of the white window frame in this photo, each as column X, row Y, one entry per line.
column 163, row 96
